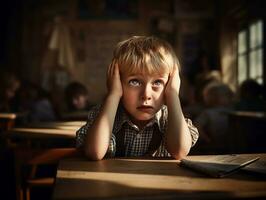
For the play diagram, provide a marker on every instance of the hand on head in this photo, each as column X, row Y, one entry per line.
column 173, row 84
column 114, row 84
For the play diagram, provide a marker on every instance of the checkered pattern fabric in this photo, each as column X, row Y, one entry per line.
column 135, row 142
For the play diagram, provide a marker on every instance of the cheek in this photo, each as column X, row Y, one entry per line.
column 130, row 98
column 160, row 92
column 162, row 97
column 129, row 95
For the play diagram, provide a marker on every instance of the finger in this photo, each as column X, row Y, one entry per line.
column 108, row 70
column 109, row 74
column 172, row 74
column 175, row 69
column 113, row 70
column 116, row 70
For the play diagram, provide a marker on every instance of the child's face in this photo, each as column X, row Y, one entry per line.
column 143, row 95
column 80, row 102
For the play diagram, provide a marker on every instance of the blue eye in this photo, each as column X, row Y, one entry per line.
column 134, row 82
column 158, row 83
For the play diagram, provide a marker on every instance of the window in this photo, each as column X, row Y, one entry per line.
column 250, row 53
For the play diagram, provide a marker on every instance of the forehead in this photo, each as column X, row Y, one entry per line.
column 145, row 75
column 144, row 69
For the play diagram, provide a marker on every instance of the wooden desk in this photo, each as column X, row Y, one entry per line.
column 247, row 131
column 8, row 116
column 63, row 130
column 7, row 120
column 53, row 135
column 37, row 138
column 257, row 115
column 42, row 133
column 58, row 124
column 79, row 178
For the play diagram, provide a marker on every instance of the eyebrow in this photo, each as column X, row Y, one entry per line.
column 140, row 74
column 141, row 77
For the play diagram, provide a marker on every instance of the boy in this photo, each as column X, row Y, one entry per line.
column 133, row 120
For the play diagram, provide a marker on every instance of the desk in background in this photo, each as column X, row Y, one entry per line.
column 43, row 138
column 48, row 130
column 58, row 124
column 79, row 178
column 7, row 120
column 247, row 132
column 43, row 133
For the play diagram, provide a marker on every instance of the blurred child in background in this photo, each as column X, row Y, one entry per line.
column 212, row 123
column 77, row 97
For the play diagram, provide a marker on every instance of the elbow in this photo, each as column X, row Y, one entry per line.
column 93, row 155
column 179, row 154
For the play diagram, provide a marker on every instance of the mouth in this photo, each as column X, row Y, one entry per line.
column 145, row 108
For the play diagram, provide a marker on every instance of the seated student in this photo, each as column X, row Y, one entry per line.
column 36, row 102
column 77, row 97
column 250, row 97
column 141, row 115
column 212, row 123
column 193, row 110
column 42, row 108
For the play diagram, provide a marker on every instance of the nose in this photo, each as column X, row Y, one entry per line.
column 146, row 93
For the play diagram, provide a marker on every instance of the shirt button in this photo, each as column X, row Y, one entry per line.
column 138, row 136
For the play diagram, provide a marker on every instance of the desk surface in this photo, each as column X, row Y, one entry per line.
column 42, row 133
column 46, row 130
column 8, row 116
column 257, row 115
column 58, row 124
column 28, row 133
column 78, row 178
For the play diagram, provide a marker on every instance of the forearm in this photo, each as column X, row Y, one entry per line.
column 178, row 138
column 98, row 135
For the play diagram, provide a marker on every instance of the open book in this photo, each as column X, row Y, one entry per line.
column 218, row 165
column 258, row 167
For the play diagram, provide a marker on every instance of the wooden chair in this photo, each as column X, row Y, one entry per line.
column 33, row 159
column 7, row 122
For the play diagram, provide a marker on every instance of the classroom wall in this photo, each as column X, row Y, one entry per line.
column 191, row 27
column 93, row 40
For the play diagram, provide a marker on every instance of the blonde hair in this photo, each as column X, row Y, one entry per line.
column 143, row 54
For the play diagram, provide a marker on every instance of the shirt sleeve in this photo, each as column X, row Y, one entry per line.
column 80, row 136
column 193, row 131
column 82, row 132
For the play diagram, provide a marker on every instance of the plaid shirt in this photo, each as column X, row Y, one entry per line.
column 128, row 140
